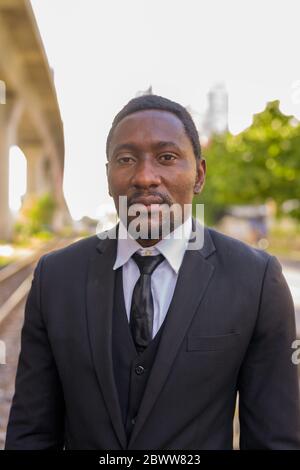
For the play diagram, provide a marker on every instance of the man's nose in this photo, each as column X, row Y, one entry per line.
column 145, row 175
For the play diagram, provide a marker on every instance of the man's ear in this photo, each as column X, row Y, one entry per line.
column 200, row 177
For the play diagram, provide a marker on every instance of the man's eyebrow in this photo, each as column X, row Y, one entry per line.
column 163, row 143
column 125, row 146
column 157, row 145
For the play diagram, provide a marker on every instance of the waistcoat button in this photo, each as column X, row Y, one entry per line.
column 139, row 370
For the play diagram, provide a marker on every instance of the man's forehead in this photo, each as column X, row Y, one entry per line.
column 150, row 124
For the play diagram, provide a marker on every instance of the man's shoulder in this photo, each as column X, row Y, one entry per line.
column 75, row 251
column 230, row 248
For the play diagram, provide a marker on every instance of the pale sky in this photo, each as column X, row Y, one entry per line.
column 103, row 52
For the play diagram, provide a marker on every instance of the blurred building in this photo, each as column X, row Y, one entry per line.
column 215, row 120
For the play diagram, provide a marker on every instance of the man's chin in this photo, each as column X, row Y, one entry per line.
column 149, row 228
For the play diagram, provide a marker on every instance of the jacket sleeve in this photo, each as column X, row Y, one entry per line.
column 36, row 419
column 269, row 411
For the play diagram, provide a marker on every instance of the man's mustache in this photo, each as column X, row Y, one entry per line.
column 137, row 196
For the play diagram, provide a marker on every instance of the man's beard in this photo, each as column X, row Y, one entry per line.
column 153, row 222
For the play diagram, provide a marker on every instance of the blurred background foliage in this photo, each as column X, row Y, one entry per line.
column 35, row 218
column 260, row 163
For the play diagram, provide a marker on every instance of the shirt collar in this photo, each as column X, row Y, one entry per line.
column 173, row 248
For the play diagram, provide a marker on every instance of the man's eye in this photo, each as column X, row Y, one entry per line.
column 167, row 157
column 124, row 159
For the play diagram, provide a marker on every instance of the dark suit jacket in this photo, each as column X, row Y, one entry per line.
column 229, row 329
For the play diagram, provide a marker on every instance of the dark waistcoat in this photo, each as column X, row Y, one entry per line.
column 131, row 369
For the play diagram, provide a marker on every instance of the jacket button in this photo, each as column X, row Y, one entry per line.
column 139, row 370
column 133, row 420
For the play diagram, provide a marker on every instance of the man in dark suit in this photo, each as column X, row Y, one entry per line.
column 144, row 342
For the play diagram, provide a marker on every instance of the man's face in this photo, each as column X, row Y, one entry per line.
column 151, row 161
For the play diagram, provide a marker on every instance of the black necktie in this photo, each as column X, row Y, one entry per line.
column 141, row 312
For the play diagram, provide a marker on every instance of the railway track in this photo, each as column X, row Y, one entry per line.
column 15, row 283
column 15, row 279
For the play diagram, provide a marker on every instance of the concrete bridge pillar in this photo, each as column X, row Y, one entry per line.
column 36, row 171
column 10, row 113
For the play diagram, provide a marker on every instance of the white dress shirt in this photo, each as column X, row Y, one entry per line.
column 163, row 278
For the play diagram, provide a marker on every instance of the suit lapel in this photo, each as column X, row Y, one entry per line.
column 100, row 296
column 193, row 279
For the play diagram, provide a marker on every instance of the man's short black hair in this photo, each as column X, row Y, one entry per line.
column 144, row 102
